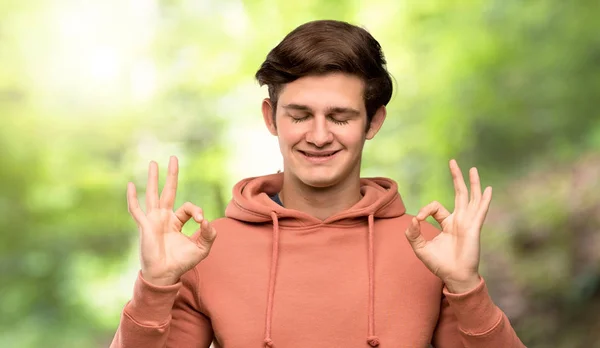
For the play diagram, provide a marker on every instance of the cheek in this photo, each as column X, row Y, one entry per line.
column 290, row 136
column 354, row 138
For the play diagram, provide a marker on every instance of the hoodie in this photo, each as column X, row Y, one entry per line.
column 278, row 277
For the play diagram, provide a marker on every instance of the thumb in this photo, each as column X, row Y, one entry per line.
column 414, row 236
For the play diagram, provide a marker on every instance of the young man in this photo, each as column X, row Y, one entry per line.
column 315, row 256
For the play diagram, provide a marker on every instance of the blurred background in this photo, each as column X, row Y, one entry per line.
column 91, row 91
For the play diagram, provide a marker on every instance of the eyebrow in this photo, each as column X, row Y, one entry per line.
column 329, row 110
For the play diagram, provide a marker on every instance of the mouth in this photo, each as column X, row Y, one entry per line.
column 319, row 156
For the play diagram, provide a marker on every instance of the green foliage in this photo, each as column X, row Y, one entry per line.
column 91, row 92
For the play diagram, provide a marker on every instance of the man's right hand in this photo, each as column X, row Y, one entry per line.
column 165, row 252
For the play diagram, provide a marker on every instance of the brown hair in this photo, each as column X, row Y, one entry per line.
column 325, row 46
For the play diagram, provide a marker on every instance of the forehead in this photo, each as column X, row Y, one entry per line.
column 325, row 91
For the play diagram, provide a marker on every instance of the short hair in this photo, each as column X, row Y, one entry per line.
column 326, row 46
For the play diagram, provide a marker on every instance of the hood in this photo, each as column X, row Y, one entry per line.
column 251, row 202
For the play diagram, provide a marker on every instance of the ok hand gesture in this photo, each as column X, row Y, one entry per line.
column 166, row 253
column 453, row 255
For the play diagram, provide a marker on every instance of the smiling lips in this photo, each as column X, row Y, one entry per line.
column 318, row 156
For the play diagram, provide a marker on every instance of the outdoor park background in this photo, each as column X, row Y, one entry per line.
column 91, row 91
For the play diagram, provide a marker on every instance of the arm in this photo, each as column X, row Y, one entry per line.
column 165, row 310
column 471, row 319
column 467, row 314
column 164, row 316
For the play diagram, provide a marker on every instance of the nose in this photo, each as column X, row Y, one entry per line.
column 319, row 133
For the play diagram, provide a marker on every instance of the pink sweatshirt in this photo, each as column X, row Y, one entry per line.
column 277, row 277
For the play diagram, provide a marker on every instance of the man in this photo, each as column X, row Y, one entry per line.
column 315, row 256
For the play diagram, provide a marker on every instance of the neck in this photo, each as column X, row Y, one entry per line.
column 320, row 202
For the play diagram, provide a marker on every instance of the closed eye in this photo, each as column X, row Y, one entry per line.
column 297, row 119
column 338, row 122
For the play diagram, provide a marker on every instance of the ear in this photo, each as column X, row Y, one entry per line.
column 376, row 122
column 268, row 112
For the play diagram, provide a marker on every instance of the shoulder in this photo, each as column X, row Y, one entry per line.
column 226, row 226
column 402, row 222
column 225, row 223
column 429, row 230
column 234, row 234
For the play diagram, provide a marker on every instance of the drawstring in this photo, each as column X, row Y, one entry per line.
column 274, row 259
column 372, row 340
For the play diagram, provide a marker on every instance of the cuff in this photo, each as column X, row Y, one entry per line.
column 476, row 312
column 151, row 305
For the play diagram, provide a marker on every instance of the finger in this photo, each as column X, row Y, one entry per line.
column 189, row 210
column 167, row 197
column 414, row 236
column 152, row 187
column 484, row 206
column 475, row 185
column 435, row 209
column 460, row 189
column 133, row 205
column 207, row 235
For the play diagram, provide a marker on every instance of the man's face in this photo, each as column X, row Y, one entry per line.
column 321, row 124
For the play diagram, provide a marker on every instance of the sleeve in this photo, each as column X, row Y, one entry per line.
column 472, row 320
column 164, row 317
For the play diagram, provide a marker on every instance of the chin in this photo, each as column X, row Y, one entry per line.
column 319, row 180
column 317, row 183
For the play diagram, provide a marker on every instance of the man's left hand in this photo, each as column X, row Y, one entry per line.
column 453, row 255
